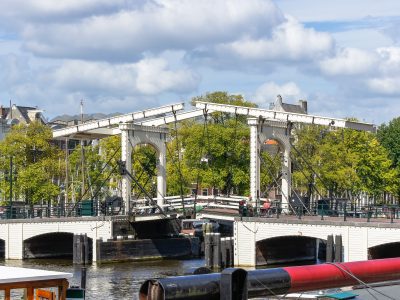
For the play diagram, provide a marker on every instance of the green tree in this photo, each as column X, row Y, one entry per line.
column 389, row 137
column 213, row 152
column 92, row 175
column 37, row 163
column 346, row 162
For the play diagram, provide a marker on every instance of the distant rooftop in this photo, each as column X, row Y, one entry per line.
column 300, row 108
column 21, row 114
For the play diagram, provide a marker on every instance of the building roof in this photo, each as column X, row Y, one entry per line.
column 293, row 108
column 300, row 108
column 24, row 112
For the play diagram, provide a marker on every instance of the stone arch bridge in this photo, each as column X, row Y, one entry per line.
column 21, row 239
column 361, row 240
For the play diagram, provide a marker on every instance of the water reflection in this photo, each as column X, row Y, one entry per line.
column 111, row 281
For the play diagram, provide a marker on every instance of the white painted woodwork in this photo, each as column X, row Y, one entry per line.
column 133, row 135
column 107, row 122
column 356, row 238
column 14, row 274
column 285, row 116
column 14, row 233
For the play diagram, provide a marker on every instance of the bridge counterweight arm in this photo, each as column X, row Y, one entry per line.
column 285, row 116
column 171, row 119
column 126, row 118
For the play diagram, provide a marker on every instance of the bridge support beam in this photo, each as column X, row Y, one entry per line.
column 14, row 242
column 286, row 179
column 126, row 156
column 260, row 131
column 254, row 161
column 133, row 135
column 161, row 175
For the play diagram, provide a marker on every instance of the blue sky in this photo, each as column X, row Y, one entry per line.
column 125, row 55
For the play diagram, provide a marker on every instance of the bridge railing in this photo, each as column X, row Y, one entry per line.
column 217, row 204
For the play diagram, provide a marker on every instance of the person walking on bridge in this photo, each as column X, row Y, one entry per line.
column 266, row 207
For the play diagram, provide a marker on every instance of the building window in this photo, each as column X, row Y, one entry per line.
column 204, row 192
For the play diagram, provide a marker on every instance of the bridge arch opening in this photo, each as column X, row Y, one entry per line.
column 387, row 250
column 290, row 250
column 145, row 160
column 272, row 151
column 51, row 245
column 2, row 249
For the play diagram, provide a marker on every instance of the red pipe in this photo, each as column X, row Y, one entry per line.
column 315, row 277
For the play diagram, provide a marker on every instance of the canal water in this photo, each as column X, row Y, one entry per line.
column 111, row 281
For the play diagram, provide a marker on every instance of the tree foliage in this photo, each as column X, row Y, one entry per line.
column 215, row 150
column 211, row 152
column 37, row 163
column 342, row 162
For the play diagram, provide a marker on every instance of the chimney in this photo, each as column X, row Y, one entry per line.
column 279, row 100
column 303, row 105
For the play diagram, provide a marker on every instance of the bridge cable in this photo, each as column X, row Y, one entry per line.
column 97, row 177
column 271, row 185
column 294, row 191
column 179, row 163
column 150, row 173
column 348, row 272
column 312, row 169
column 209, row 152
column 141, row 187
column 229, row 179
column 145, row 168
column 266, row 174
column 266, row 287
column 358, row 196
column 283, row 194
column 123, row 170
column 198, row 168
column 305, row 175
column 104, row 181
column 278, row 185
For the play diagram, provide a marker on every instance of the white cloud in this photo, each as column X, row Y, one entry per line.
column 365, row 38
column 289, row 41
column 390, row 57
column 154, row 77
column 147, row 77
column 349, row 61
column 130, row 53
column 338, row 10
column 19, row 11
column 99, row 83
column 155, row 26
column 13, row 70
column 377, row 71
column 268, row 91
column 385, row 85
